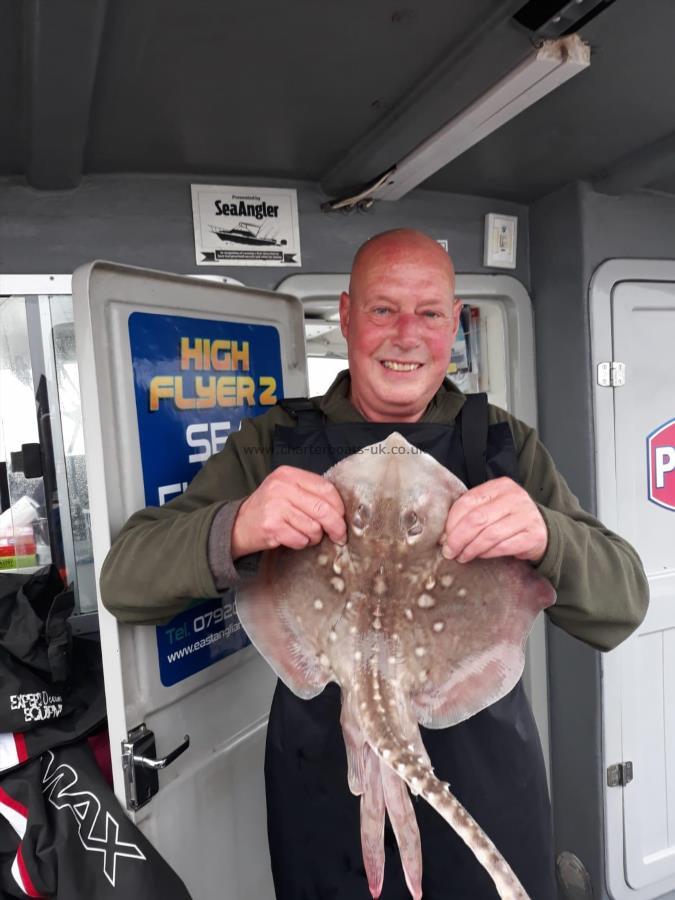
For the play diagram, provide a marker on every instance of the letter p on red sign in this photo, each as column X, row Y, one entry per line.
column 661, row 465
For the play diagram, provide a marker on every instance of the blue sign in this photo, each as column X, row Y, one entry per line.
column 199, row 637
column 194, row 381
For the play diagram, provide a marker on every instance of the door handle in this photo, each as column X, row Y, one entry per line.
column 156, row 764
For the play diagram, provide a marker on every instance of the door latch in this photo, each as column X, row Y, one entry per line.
column 140, row 765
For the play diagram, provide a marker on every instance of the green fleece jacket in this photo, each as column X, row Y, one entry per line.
column 166, row 557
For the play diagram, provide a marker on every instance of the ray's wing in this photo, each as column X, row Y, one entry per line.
column 289, row 609
column 469, row 634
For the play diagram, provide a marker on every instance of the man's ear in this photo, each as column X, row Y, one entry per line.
column 345, row 302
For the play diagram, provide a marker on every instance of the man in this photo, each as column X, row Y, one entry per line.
column 400, row 319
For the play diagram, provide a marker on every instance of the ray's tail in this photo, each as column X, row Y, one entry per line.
column 418, row 775
column 394, row 738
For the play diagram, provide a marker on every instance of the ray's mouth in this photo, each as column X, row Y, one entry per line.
column 395, row 366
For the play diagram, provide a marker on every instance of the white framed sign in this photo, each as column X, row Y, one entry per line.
column 236, row 225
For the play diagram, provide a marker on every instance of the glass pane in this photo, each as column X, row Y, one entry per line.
column 68, row 388
column 321, row 372
column 478, row 360
column 42, row 444
column 24, row 536
column 326, row 353
column 466, row 361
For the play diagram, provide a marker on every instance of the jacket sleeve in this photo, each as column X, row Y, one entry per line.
column 602, row 589
column 159, row 562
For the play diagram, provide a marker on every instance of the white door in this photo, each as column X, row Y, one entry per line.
column 639, row 677
column 148, row 345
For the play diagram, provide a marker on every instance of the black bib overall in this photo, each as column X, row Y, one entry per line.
column 493, row 761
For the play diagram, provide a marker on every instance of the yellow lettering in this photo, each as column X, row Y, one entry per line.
column 190, row 354
column 205, row 389
column 245, row 390
column 181, row 401
column 227, row 390
column 161, row 388
column 269, row 385
column 221, row 355
column 224, row 363
column 240, row 357
column 211, row 391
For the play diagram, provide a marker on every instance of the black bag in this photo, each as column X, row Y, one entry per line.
column 51, row 683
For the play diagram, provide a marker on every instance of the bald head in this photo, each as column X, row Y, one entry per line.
column 400, row 246
column 400, row 319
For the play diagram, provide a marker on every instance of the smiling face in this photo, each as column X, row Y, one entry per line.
column 400, row 319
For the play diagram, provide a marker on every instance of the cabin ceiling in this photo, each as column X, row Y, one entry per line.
column 332, row 91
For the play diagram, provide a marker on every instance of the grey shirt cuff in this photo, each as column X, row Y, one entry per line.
column 226, row 572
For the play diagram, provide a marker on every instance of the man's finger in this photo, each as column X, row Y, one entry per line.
column 476, row 500
column 300, row 521
column 320, row 510
column 497, row 533
column 287, row 536
column 477, row 543
column 513, row 546
column 324, row 489
column 458, row 536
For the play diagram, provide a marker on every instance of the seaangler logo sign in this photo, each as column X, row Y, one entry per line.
column 661, row 465
column 245, row 226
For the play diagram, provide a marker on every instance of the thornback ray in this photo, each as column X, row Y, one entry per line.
column 410, row 637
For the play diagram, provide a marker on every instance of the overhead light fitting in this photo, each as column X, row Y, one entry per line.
column 554, row 63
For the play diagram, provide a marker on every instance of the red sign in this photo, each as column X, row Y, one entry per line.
column 661, row 465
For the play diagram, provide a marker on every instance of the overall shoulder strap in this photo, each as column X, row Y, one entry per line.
column 303, row 410
column 473, row 423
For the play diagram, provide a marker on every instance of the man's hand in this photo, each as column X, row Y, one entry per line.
column 497, row 518
column 291, row 508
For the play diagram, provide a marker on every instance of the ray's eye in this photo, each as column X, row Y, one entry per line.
column 412, row 524
column 361, row 517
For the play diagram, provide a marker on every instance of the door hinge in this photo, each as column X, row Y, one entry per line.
column 611, row 374
column 620, row 774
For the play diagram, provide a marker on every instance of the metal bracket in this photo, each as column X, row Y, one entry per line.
column 140, row 766
column 620, row 774
column 611, row 374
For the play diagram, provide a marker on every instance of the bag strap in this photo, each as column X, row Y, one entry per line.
column 303, row 410
column 473, row 423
